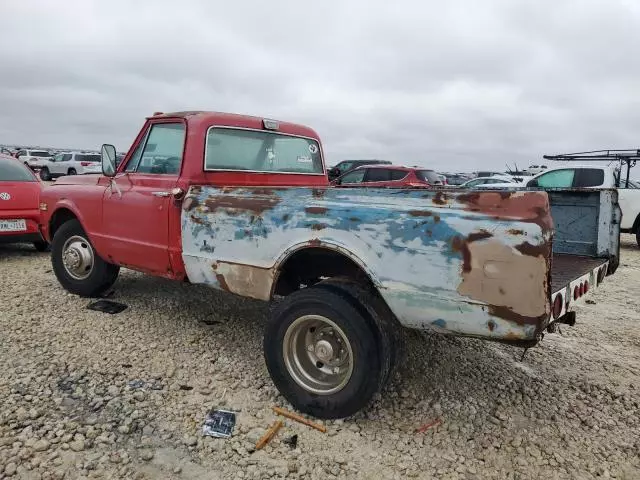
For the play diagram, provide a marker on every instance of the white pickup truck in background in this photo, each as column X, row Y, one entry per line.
column 588, row 176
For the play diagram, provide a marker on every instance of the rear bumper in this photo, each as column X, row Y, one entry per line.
column 31, row 234
column 21, row 238
column 577, row 290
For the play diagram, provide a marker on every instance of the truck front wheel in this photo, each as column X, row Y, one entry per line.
column 76, row 265
column 323, row 355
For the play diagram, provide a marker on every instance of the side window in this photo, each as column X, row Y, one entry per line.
column 353, row 177
column 67, row 157
column 345, row 166
column 589, row 177
column 555, row 179
column 398, row 174
column 162, row 153
column 378, row 175
column 21, row 153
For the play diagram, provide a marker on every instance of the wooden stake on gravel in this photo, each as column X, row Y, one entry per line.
column 299, row 418
column 266, row 438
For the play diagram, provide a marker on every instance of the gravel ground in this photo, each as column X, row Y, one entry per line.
column 87, row 394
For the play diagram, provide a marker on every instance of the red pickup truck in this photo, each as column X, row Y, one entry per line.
column 243, row 204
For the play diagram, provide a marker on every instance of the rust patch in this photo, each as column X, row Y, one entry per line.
column 440, row 198
column 420, row 213
column 497, row 274
column 436, row 218
column 354, row 219
column 318, row 192
column 533, row 250
column 508, row 314
column 480, row 235
column 531, row 207
column 316, row 210
column 458, row 244
column 190, row 203
column 491, row 325
column 257, row 205
column 314, row 242
column 222, row 282
column 515, row 231
column 262, row 191
column 197, row 220
column 286, row 217
column 244, row 280
column 318, row 226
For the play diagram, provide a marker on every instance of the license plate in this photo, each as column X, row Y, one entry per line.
column 13, row 225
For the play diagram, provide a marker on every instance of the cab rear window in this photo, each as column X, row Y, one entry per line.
column 261, row 151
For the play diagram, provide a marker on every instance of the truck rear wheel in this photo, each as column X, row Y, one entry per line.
column 323, row 354
column 76, row 265
column 373, row 307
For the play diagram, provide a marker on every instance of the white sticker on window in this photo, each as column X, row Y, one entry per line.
column 313, row 148
column 304, row 159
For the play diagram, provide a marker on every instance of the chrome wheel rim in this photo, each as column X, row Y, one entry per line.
column 317, row 354
column 77, row 257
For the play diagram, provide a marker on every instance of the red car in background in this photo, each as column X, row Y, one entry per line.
column 19, row 204
column 390, row 176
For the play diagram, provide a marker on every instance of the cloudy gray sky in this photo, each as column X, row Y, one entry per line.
column 455, row 85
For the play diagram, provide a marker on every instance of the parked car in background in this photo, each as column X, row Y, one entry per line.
column 455, row 179
column 70, row 163
column 19, row 204
column 488, row 181
column 535, row 169
column 389, row 176
column 34, row 159
column 7, row 151
column 348, row 165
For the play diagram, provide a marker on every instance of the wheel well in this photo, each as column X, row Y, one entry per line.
column 309, row 266
column 636, row 224
column 59, row 217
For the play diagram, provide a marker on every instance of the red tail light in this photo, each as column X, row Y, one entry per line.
column 576, row 292
column 586, row 287
column 557, row 306
column 85, row 164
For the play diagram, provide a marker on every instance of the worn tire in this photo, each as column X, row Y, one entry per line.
column 103, row 274
column 45, row 175
column 72, row 171
column 374, row 308
column 41, row 246
column 638, row 237
column 368, row 373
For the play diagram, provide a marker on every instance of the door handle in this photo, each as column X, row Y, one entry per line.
column 161, row 194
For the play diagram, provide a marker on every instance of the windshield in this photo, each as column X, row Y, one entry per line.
column 12, row 171
column 40, row 153
column 428, row 176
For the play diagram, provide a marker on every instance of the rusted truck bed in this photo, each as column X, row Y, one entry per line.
column 565, row 268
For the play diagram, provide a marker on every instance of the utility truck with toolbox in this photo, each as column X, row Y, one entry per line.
column 243, row 204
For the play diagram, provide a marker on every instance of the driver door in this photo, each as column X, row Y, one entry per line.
column 139, row 208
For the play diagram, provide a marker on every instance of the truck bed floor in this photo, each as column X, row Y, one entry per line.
column 565, row 268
